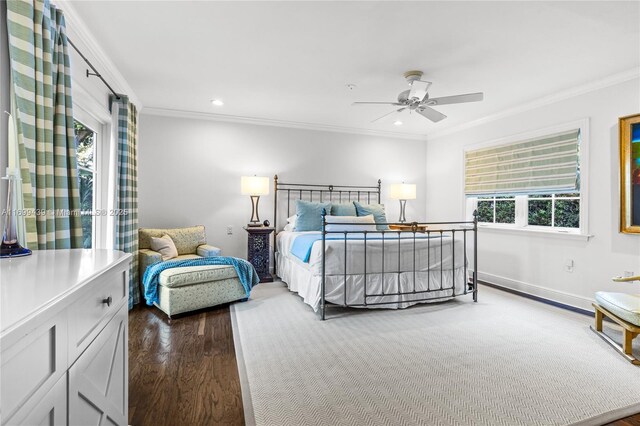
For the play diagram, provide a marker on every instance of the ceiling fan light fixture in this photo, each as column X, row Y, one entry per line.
column 217, row 102
column 417, row 99
column 397, row 123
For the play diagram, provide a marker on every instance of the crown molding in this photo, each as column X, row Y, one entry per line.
column 611, row 80
column 166, row 112
column 96, row 54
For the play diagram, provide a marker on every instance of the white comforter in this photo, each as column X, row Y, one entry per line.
column 430, row 268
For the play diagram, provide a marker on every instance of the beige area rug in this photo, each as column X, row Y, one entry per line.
column 505, row 360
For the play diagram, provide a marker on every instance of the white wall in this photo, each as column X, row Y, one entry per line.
column 189, row 171
column 534, row 263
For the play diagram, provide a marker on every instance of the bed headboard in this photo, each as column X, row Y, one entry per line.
column 314, row 192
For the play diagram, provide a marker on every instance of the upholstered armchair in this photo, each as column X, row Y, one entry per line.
column 190, row 242
column 189, row 288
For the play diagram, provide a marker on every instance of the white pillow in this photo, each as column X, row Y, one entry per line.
column 291, row 223
column 165, row 246
column 347, row 220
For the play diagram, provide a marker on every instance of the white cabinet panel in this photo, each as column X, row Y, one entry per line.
column 51, row 410
column 32, row 365
column 97, row 380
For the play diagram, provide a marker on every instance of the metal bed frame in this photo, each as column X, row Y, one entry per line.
column 348, row 193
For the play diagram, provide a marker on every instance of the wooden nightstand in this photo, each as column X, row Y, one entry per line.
column 408, row 227
column 258, row 250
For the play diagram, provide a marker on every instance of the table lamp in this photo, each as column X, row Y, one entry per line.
column 254, row 186
column 403, row 192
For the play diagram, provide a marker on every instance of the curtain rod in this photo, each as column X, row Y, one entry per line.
column 95, row 71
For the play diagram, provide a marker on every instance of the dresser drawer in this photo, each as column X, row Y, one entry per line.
column 94, row 308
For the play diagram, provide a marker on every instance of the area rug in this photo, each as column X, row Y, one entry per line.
column 505, row 360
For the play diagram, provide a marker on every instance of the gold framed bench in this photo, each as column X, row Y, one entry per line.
column 624, row 310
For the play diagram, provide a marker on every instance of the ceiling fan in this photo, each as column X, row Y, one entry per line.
column 417, row 99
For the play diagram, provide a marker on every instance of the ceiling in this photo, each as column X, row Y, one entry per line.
column 291, row 61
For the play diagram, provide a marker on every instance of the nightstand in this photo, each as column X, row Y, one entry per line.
column 258, row 250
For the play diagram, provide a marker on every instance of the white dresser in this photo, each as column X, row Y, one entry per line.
column 63, row 338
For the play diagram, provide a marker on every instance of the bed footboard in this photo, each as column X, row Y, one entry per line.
column 402, row 267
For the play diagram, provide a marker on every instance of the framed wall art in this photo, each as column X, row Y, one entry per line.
column 630, row 174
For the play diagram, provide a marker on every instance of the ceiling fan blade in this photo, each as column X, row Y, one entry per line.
column 388, row 114
column 456, row 99
column 377, row 103
column 431, row 114
column 419, row 89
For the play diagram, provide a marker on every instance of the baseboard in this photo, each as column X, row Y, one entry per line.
column 557, row 298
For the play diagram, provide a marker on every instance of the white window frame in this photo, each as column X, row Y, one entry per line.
column 522, row 210
column 553, row 199
column 474, row 206
column 92, row 124
column 94, row 115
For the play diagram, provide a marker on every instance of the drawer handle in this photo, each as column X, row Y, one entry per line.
column 108, row 301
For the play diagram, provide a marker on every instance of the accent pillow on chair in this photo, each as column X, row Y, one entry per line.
column 377, row 210
column 309, row 215
column 165, row 246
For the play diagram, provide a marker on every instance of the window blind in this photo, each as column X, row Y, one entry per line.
column 543, row 164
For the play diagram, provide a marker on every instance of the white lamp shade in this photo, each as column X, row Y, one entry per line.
column 403, row 191
column 254, row 185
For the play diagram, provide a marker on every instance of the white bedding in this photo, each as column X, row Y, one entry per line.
column 433, row 269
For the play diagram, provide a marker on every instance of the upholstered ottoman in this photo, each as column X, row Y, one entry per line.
column 197, row 287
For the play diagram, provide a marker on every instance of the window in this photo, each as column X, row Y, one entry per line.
column 550, row 211
column 499, row 209
column 555, row 210
column 536, row 182
column 85, row 151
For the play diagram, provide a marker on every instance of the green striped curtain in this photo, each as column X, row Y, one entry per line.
column 126, row 218
column 543, row 164
column 41, row 89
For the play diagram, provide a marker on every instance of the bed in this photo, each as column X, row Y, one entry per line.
column 356, row 266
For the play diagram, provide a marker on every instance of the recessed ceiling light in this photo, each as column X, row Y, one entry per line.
column 398, row 123
column 217, row 102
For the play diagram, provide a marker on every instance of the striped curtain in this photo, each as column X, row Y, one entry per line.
column 126, row 204
column 541, row 165
column 41, row 101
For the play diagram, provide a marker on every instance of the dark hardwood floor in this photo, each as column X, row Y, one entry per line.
column 629, row 421
column 186, row 373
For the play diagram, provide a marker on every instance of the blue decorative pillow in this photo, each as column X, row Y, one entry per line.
column 377, row 210
column 310, row 215
column 344, row 209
